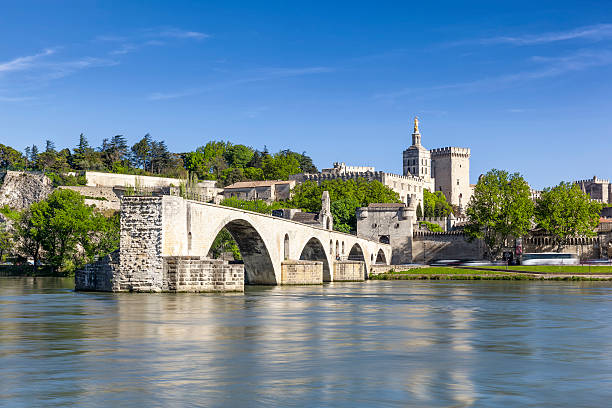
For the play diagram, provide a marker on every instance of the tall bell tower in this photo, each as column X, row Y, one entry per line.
column 417, row 160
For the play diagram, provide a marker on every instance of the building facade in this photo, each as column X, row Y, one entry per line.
column 598, row 189
column 446, row 169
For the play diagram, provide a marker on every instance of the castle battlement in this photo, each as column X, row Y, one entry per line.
column 594, row 180
column 409, row 178
column 450, row 151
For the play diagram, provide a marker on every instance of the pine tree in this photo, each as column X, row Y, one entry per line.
column 50, row 146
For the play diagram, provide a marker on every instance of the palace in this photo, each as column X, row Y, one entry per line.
column 444, row 169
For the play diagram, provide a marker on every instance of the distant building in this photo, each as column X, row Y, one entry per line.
column 389, row 223
column 323, row 218
column 446, row 169
column 268, row 190
column 598, row 189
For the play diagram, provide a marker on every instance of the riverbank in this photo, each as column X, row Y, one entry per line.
column 29, row 271
column 484, row 273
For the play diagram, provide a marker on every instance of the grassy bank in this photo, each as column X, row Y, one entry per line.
column 28, row 270
column 555, row 269
column 445, row 273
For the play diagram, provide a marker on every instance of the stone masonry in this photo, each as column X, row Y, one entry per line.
column 301, row 272
column 141, row 245
column 200, row 274
column 349, row 271
column 98, row 276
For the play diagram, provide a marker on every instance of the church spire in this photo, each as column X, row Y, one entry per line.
column 416, row 135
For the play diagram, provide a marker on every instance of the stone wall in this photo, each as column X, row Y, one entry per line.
column 349, row 271
column 201, row 274
column 98, row 276
column 141, row 265
column 103, row 198
column 301, row 272
column 431, row 246
column 585, row 248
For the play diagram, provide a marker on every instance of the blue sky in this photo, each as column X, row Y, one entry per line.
column 525, row 85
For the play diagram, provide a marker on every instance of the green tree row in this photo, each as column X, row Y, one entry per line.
column 501, row 209
column 217, row 160
column 229, row 163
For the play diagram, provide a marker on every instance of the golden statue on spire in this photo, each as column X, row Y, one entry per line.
column 416, row 124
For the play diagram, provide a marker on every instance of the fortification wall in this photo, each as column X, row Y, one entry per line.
column 201, row 274
column 349, row 271
column 427, row 247
column 585, row 248
column 103, row 198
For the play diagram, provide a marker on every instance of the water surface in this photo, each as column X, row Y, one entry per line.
column 379, row 343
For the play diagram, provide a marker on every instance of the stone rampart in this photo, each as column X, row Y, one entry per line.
column 98, row 276
column 103, row 198
column 584, row 247
column 301, row 272
column 427, row 247
column 349, row 271
column 201, row 274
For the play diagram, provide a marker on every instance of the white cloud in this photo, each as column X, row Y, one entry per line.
column 596, row 32
column 549, row 67
column 266, row 74
column 24, row 63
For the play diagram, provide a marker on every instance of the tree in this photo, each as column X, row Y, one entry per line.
column 34, row 156
column 238, row 155
column 11, row 158
column 343, row 211
column 6, row 241
column 435, row 204
column 419, row 211
column 50, row 146
column 500, row 208
column 565, row 211
column 280, row 166
column 224, row 242
column 345, row 195
column 63, row 231
column 141, row 151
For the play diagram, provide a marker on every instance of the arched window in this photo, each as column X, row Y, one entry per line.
column 337, row 252
column 286, row 247
column 342, row 247
column 331, row 247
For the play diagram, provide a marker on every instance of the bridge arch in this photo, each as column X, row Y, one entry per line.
column 258, row 265
column 380, row 257
column 314, row 251
column 356, row 253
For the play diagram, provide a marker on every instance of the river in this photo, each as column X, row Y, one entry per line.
column 378, row 343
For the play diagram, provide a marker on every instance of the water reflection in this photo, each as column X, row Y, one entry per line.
column 354, row 344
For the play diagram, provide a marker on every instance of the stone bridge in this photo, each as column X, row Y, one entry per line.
column 156, row 229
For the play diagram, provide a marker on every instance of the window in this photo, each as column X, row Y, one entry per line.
column 457, row 181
